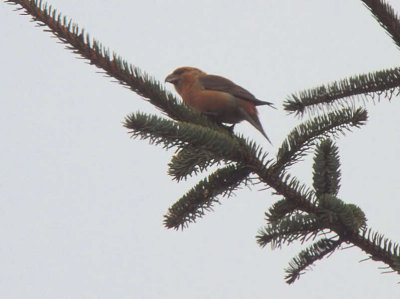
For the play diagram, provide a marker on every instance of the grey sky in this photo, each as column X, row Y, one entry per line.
column 82, row 203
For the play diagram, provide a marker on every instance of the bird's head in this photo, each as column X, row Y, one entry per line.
column 183, row 74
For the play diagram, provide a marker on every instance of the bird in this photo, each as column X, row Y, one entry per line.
column 217, row 97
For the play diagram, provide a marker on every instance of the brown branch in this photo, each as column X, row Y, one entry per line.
column 375, row 250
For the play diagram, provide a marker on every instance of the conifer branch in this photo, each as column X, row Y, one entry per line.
column 80, row 43
column 302, row 212
column 386, row 17
column 289, row 187
column 288, row 229
column 161, row 131
column 203, row 196
column 309, row 256
column 221, row 144
column 190, row 161
column 378, row 247
column 374, row 244
column 339, row 216
column 345, row 225
column 280, row 209
column 384, row 83
column 303, row 137
column 326, row 169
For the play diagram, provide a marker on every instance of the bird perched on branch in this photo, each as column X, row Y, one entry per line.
column 217, row 97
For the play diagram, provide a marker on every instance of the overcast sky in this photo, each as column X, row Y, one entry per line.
column 82, row 204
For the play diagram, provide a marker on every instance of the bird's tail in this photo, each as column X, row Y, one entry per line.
column 255, row 122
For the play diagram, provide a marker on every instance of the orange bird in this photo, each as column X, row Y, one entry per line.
column 217, row 97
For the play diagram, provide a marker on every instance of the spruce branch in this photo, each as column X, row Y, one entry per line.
column 309, row 256
column 289, row 229
column 280, row 209
column 375, row 245
column 80, row 43
column 342, row 93
column 339, row 216
column 301, row 210
column 301, row 139
column 203, row 196
column 378, row 247
column 289, row 187
column 169, row 134
column 161, row 131
column 190, row 161
column 326, row 168
column 386, row 17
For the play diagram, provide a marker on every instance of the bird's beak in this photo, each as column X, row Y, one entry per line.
column 172, row 78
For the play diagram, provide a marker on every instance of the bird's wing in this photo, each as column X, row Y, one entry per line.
column 213, row 82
